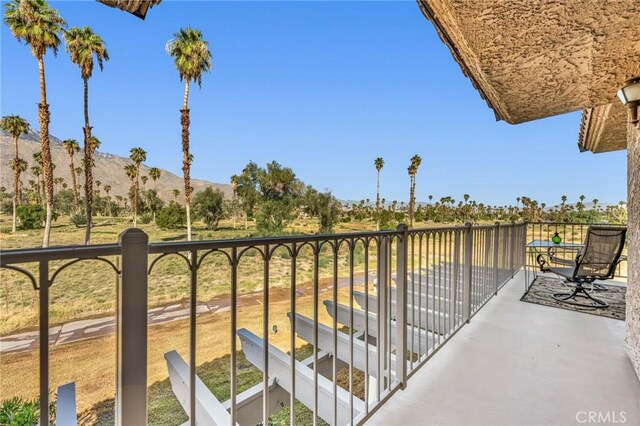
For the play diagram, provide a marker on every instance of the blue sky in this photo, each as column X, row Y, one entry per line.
column 324, row 88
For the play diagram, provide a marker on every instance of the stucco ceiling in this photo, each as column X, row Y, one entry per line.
column 603, row 128
column 138, row 8
column 531, row 59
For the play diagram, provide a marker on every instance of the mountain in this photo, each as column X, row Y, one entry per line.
column 109, row 168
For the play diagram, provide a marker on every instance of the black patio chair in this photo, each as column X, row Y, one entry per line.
column 597, row 260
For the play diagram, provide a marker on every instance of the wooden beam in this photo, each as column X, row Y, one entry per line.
column 280, row 370
column 429, row 319
column 249, row 402
column 421, row 338
column 305, row 330
column 209, row 411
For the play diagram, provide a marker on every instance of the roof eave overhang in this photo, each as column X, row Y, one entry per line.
column 483, row 89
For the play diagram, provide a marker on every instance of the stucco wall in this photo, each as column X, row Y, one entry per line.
column 633, row 290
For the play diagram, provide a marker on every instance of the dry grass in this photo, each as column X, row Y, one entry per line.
column 87, row 289
column 91, row 363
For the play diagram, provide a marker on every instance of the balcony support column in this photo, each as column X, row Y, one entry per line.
column 633, row 207
column 401, row 304
column 467, row 280
column 131, row 373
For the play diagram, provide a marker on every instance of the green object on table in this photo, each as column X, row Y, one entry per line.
column 557, row 239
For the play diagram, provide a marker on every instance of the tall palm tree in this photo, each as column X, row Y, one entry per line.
column 83, row 44
column 19, row 166
column 37, row 172
column 416, row 160
column 15, row 126
column 107, row 189
column 39, row 26
column 192, row 58
column 72, row 147
column 154, row 174
column 379, row 164
column 234, row 198
column 88, row 162
column 138, row 156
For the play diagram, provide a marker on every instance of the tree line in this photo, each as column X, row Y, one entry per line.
column 43, row 29
column 271, row 195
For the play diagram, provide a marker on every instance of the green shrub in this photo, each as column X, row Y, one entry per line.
column 32, row 216
column 146, row 218
column 79, row 219
column 172, row 216
column 16, row 411
column 6, row 206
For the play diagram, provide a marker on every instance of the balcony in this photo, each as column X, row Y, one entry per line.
column 525, row 364
column 357, row 328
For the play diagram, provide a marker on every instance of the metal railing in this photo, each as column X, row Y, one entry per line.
column 571, row 233
column 391, row 300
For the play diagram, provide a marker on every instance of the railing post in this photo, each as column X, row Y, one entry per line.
column 512, row 246
column 496, row 258
column 401, row 304
column 384, row 314
column 131, row 374
column 468, row 271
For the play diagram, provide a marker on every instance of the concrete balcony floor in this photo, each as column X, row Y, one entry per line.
column 519, row 363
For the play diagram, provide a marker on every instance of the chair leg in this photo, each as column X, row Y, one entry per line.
column 579, row 291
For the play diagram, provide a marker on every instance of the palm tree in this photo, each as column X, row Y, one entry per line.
column 130, row 171
column 58, row 182
column 83, row 44
column 416, row 160
column 176, row 193
column 88, row 162
column 107, row 189
column 15, row 126
column 144, row 180
column 138, row 156
column 72, row 147
column 39, row 26
column 37, row 172
column 154, row 174
column 192, row 58
column 234, row 198
column 379, row 164
column 19, row 166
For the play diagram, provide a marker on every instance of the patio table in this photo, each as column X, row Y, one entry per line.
column 537, row 247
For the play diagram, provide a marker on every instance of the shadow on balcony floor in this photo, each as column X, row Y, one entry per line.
column 523, row 364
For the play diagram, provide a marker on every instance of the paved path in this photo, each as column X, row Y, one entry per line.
column 90, row 328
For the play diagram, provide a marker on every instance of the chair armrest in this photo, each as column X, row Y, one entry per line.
column 545, row 260
column 554, row 258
